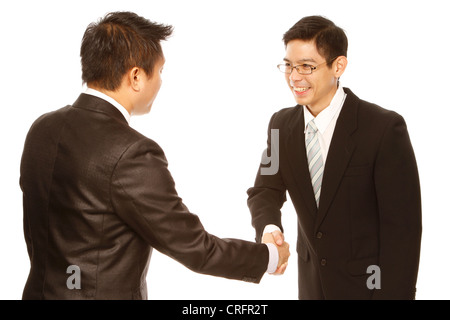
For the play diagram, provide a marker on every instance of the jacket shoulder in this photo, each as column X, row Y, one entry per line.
column 377, row 119
column 285, row 115
column 372, row 109
column 112, row 137
column 368, row 109
column 51, row 117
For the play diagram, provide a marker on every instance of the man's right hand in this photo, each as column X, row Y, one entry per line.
column 277, row 238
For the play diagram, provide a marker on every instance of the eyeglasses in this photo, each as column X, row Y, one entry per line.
column 301, row 68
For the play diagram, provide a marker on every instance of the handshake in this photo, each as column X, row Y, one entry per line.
column 277, row 238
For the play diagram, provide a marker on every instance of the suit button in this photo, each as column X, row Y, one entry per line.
column 323, row 262
column 319, row 235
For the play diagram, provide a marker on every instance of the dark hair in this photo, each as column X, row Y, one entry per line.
column 331, row 41
column 117, row 43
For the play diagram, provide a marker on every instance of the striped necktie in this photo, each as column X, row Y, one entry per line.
column 315, row 161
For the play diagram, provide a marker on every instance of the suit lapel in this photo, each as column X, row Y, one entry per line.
column 339, row 154
column 296, row 150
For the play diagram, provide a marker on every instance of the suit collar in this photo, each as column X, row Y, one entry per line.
column 96, row 104
column 111, row 100
column 349, row 112
column 295, row 146
column 339, row 154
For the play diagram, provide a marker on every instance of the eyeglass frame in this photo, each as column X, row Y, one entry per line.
column 312, row 68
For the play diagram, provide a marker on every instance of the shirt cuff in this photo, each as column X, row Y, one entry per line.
column 273, row 258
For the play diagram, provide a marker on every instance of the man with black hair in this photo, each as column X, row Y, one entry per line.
column 350, row 171
column 98, row 195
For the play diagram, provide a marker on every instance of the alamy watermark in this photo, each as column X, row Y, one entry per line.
column 374, row 281
column 274, row 158
column 74, row 281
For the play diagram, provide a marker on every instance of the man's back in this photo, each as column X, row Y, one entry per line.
column 68, row 161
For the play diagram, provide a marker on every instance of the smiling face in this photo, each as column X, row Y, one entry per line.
column 314, row 90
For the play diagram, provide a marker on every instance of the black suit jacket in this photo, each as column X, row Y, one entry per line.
column 98, row 195
column 370, row 207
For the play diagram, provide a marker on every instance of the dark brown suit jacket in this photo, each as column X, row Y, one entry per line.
column 98, row 195
column 370, row 207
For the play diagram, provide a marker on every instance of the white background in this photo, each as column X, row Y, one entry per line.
column 220, row 87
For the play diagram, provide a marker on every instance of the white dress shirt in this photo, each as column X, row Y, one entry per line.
column 326, row 123
column 107, row 98
column 273, row 251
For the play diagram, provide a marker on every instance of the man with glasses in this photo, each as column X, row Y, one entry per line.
column 351, row 173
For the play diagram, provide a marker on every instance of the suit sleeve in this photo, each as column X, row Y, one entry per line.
column 399, row 202
column 143, row 194
column 267, row 196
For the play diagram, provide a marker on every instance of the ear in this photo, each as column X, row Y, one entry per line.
column 134, row 78
column 339, row 66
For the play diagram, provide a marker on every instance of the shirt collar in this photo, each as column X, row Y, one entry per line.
column 107, row 98
column 324, row 118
